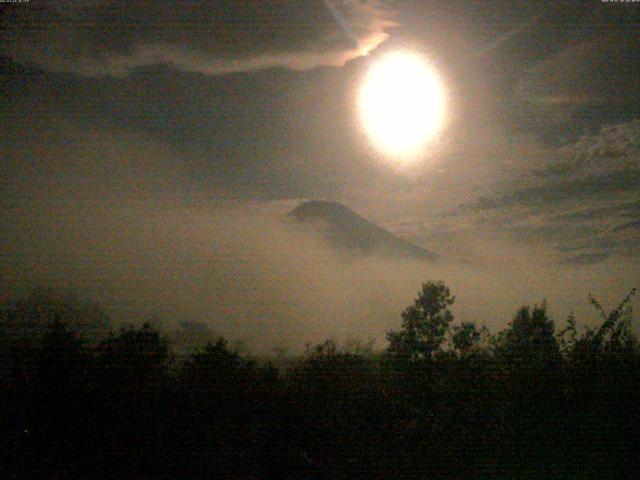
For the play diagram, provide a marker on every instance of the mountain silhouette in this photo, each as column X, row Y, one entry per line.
column 349, row 233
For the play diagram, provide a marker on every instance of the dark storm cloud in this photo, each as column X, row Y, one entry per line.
column 113, row 37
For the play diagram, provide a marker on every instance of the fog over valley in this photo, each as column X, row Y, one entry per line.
column 117, row 219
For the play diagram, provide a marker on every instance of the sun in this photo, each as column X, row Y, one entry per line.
column 402, row 104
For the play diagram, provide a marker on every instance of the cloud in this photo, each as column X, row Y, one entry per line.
column 579, row 198
column 114, row 37
column 598, row 164
column 589, row 73
column 117, row 216
column 586, row 258
column 555, row 192
column 622, row 210
column 628, row 226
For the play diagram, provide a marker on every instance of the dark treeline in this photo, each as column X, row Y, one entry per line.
column 81, row 399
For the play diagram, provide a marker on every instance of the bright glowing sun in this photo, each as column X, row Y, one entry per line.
column 402, row 104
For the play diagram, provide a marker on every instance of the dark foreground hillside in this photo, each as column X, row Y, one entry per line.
column 444, row 400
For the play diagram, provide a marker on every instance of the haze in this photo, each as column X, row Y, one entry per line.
column 150, row 169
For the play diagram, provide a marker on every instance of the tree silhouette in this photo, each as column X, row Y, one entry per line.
column 133, row 357
column 444, row 401
column 529, row 341
column 27, row 319
column 424, row 324
column 466, row 337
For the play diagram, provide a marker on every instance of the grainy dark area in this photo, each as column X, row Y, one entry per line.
column 443, row 400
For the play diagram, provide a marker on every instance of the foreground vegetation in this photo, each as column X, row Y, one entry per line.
column 444, row 400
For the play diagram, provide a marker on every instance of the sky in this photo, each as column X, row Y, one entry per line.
column 148, row 149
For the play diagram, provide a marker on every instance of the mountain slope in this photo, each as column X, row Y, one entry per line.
column 350, row 233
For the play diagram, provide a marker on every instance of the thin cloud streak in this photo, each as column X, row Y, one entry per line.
column 213, row 39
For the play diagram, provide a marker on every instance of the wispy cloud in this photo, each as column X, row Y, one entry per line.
column 110, row 37
column 579, row 198
column 588, row 73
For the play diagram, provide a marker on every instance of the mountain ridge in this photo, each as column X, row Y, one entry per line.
column 348, row 232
